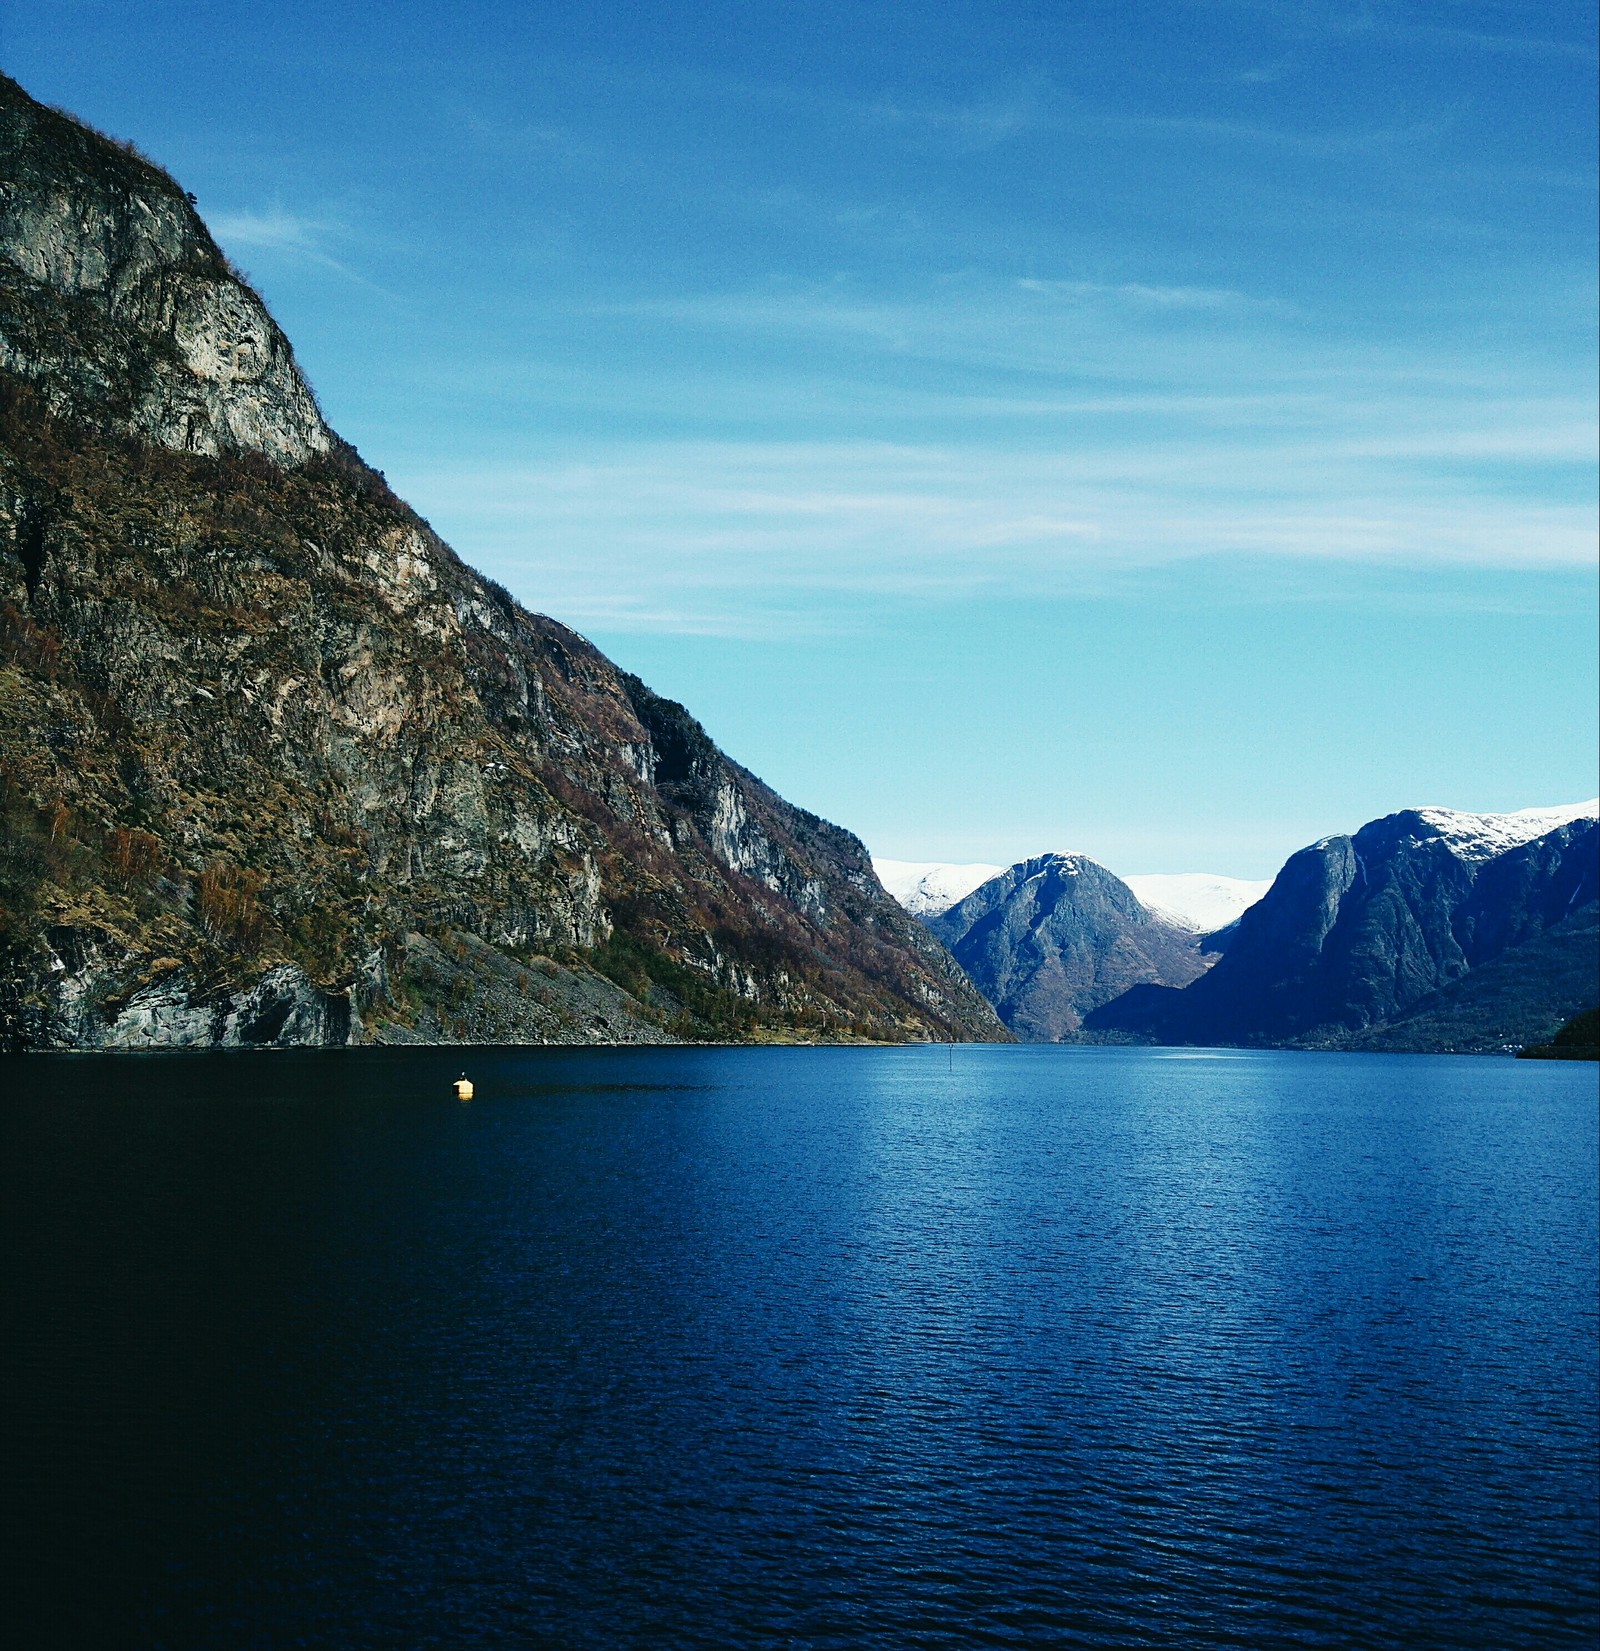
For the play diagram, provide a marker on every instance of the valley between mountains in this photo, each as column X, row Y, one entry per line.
column 1427, row 930
column 276, row 767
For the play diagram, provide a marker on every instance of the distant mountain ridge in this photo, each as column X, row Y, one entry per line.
column 1483, row 836
column 1429, row 928
column 1200, row 901
column 1197, row 900
column 1052, row 938
column 927, row 887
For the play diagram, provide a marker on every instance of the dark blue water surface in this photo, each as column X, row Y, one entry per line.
column 834, row 1347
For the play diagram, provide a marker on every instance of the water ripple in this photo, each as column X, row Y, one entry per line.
column 828, row 1348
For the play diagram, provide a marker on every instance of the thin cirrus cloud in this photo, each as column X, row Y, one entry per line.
column 1030, row 324
column 742, row 538
column 1060, row 343
column 1095, row 427
column 1331, row 144
column 1412, row 25
column 290, row 236
column 1153, row 297
column 964, row 127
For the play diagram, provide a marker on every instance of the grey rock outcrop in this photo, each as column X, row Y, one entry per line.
column 171, row 1009
column 117, row 305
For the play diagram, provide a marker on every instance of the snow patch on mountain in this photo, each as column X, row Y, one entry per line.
column 1483, row 836
column 1196, row 900
column 927, row 887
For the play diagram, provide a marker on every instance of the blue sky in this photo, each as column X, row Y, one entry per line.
column 1165, row 431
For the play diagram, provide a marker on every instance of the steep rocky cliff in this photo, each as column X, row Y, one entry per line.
column 1424, row 930
column 275, row 766
column 117, row 306
column 1053, row 938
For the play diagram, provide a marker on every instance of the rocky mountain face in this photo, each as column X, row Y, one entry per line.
column 1424, row 930
column 1053, row 938
column 275, row 766
column 118, row 309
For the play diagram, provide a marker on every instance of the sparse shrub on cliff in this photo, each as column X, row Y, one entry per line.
column 133, row 855
column 227, row 908
column 35, row 844
column 27, row 645
column 707, row 1009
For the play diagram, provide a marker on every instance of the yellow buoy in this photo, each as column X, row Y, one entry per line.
column 463, row 1089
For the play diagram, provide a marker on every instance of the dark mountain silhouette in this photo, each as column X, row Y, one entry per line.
column 1424, row 930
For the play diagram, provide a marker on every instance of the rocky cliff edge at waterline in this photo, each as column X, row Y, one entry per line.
column 276, row 767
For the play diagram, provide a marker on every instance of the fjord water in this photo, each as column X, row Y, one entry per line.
column 831, row 1347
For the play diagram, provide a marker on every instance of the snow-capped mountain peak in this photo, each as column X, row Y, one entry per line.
column 1204, row 902
column 1197, row 900
column 1483, row 836
column 927, row 887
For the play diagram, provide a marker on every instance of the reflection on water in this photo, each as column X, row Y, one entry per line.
column 799, row 1347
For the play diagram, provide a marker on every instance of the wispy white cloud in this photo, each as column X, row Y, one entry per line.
column 733, row 536
column 275, row 227
column 1333, row 143
column 1038, row 347
column 1418, row 25
column 1151, row 297
column 292, row 236
column 1434, row 33
column 964, row 126
column 1264, row 74
column 1028, row 324
column 514, row 138
column 1094, row 427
